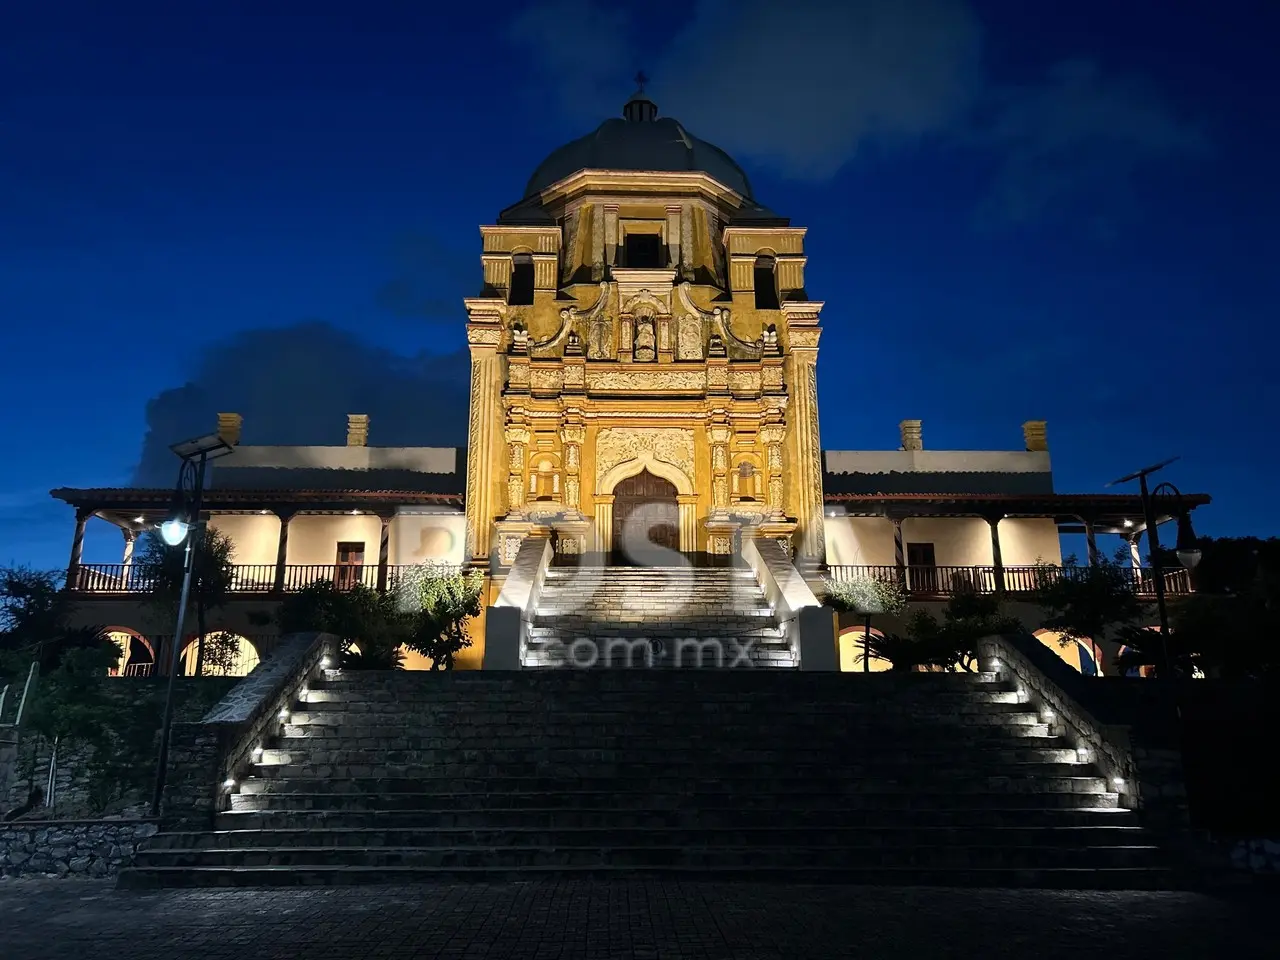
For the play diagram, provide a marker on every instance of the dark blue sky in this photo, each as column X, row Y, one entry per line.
column 1016, row 210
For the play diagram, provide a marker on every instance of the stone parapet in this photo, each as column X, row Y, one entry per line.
column 1144, row 765
column 203, row 755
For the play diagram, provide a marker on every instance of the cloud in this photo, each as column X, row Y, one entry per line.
column 431, row 279
column 295, row 385
column 803, row 86
column 799, row 86
column 1080, row 130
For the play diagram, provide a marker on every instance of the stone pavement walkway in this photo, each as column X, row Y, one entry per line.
column 78, row 920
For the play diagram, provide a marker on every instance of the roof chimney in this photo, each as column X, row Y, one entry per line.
column 911, row 439
column 1034, row 437
column 357, row 429
column 229, row 427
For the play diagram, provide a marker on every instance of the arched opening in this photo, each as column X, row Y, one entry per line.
column 646, row 518
column 225, row 655
column 137, row 656
column 521, row 292
column 1084, row 658
column 747, row 480
column 544, row 479
column 766, row 283
column 851, row 652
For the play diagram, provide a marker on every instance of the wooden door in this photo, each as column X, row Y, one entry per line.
column 350, row 565
column 645, row 515
column 922, row 568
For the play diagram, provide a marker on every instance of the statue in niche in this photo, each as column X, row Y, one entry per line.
column 600, row 339
column 646, row 348
column 573, row 345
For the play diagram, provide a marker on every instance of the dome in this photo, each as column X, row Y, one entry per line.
column 639, row 141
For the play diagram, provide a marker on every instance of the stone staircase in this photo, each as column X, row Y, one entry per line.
column 704, row 774
column 615, row 616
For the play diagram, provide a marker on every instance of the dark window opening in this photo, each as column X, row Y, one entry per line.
column 349, row 569
column 643, row 250
column 766, row 284
column 521, row 281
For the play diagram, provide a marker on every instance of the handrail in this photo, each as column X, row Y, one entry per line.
column 945, row 580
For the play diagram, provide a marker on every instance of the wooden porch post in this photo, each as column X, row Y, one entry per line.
column 997, row 558
column 77, row 548
column 384, row 550
column 899, row 552
column 1091, row 543
column 282, row 549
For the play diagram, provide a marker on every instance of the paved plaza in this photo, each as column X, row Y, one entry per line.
column 660, row 920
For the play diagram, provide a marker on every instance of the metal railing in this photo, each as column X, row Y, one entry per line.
column 945, row 581
column 250, row 578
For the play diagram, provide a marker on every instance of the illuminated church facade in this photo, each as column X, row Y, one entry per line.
column 643, row 390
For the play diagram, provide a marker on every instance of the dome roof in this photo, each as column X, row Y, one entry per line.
column 639, row 141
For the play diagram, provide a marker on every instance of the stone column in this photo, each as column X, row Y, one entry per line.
column 77, row 548
column 1135, row 555
column 517, row 438
column 997, row 558
column 572, row 436
column 130, row 540
column 720, row 434
column 673, row 240
column 484, row 332
column 611, row 239
column 282, row 549
column 604, row 523
column 772, row 435
column 807, row 468
column 384, row 550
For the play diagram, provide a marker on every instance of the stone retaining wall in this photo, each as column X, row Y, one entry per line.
column 71, row 848
column 1256, row 856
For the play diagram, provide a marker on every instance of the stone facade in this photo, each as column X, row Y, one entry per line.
column 71, row 848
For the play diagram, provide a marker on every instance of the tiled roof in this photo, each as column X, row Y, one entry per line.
column 140, row 496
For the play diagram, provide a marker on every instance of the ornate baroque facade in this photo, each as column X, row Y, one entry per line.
column 643, row 345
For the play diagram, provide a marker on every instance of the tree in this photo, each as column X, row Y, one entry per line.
column 370, row 624
column 1229, row 564
column 866, row 596
column 968, row 617
column 34, row 614
column 438, row 603
column 212, row 576
column 1092, row 605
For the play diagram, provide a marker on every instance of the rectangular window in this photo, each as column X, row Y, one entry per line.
column 642, row 250
column 766, row 286
column 350, row 565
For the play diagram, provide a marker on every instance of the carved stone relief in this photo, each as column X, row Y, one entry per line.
column 615, row 445
column 646, row 380
column 689, row 338
column 646, row 349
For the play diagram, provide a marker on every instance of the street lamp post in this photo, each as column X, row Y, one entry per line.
column 1187, row 551
column 183, row 524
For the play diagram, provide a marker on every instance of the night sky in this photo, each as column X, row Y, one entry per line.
column 1016, row 210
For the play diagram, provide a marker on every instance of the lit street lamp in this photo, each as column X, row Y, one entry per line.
column 1187, row 550
column 183, row 524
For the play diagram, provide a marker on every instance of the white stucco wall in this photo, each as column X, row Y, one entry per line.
column 1025, row 540
column 256, row 537
column 421, row 537
column 859, row 540
column 314, row 539
column 936, row 461
column 420, row 459
column 957, row 541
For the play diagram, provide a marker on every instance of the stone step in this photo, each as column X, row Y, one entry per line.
column 1014, row 759
column 725, row 700
column 786, row 803
column 870, row 684
column 702, row 855
column 1091, row 878
column 885, row 821
column 664, row 771
column 423, row 733
column 641, row 836
column 314, row 702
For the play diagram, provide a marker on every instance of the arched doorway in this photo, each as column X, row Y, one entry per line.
column 646, row 518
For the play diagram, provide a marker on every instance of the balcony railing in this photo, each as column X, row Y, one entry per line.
column 248, row 579
column 935, row 581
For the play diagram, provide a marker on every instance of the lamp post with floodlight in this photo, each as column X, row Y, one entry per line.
column 183, row 524
column 1187, row 551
